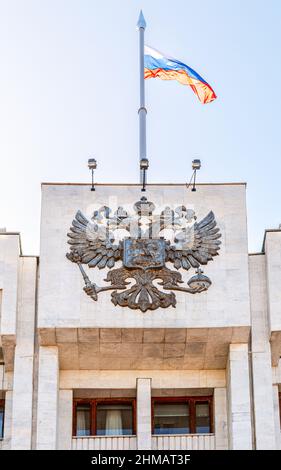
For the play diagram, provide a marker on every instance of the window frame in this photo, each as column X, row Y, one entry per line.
column 93, row 402
column 2, row 405
column 191, row 401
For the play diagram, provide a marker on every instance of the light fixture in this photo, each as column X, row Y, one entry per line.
column 196, row 165
column 92, row 165
column 144, row 164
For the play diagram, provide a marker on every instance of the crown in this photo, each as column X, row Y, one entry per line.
column 144, row 207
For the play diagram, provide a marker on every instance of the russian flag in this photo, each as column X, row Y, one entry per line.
column 167, row 68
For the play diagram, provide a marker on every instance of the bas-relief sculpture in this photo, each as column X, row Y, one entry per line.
column 141, row 242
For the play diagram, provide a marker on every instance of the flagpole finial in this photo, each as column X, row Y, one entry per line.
column 141, row 21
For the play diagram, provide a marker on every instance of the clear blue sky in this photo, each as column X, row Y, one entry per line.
column 69, row 90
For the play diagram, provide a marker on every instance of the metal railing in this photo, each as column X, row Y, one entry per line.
column 184, row 442
column 159, row 442
column 104, row 443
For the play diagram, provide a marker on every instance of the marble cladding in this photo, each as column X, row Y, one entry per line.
column 62, row 301
column 151, row 348
column 226, row 342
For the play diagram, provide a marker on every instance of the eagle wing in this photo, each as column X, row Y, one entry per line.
column 90, row 243
column 196, row 245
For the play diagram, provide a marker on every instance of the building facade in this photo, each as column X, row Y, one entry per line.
column 83, row 367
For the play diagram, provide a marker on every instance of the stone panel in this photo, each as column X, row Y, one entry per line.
column 63, row 303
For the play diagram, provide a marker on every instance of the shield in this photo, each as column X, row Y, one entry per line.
column 144, row 253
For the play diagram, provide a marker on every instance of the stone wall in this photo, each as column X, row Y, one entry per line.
column 62, row 301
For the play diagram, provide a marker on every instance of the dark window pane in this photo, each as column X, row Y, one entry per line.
column 203, row 418
column 1, row 422
column 114, row 420
column 171, row 418
column 83, row 420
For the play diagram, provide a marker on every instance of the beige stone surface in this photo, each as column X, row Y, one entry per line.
column 8, row 379
column 47, row 337
column 272, row 248
column 213, row 343
column 276, row 417
column 8, row 347
column 24, row 356
column 9, row 264
column 175, row 335
column 126, row 379
column 143, row 413
column 239, row 400
column 68, row 353
column 66, row 335
column 110, row 335
column 48, row 388
column 65, row 419
column 88, row 335
column 220, row 418
column 174, row 350
column 63, row 303
column 132, row 335
column 276, row 374
column 153, row 335
column 275, row 342
column 9, row 269
column 143, row 349
column 261, row 357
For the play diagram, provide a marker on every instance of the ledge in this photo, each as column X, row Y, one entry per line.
column 242, row 183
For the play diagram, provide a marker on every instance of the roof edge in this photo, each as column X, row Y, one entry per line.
column 17, row 234
column 268, row 231
column 49, row 183
column 257, row 253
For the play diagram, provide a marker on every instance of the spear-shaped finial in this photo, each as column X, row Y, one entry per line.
column 141, row 21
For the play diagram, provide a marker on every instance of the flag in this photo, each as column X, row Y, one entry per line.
column 167, row 68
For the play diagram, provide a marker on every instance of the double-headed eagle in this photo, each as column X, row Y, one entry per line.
column 144, row 243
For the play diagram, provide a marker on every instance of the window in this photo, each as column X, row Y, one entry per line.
column 104, row 417
column 114, row 419
column 83, row 419
column 2, row 409
column 171, row 418
column 202, row 417
column 191, row 415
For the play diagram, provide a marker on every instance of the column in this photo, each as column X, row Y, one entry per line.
column 277, row 412
column 47, row 411
column 220, row 418
column 263, row 401
column 238, row 394
column 65, row 419
column 261, row 357
column 22, row 403
column 143, row 414
column 24, row 356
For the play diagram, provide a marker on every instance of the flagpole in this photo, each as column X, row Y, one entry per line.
column 141, row 25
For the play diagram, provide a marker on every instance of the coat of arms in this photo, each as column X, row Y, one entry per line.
column 140, row 242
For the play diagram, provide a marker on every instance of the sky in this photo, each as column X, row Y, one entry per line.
column 69, row 90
